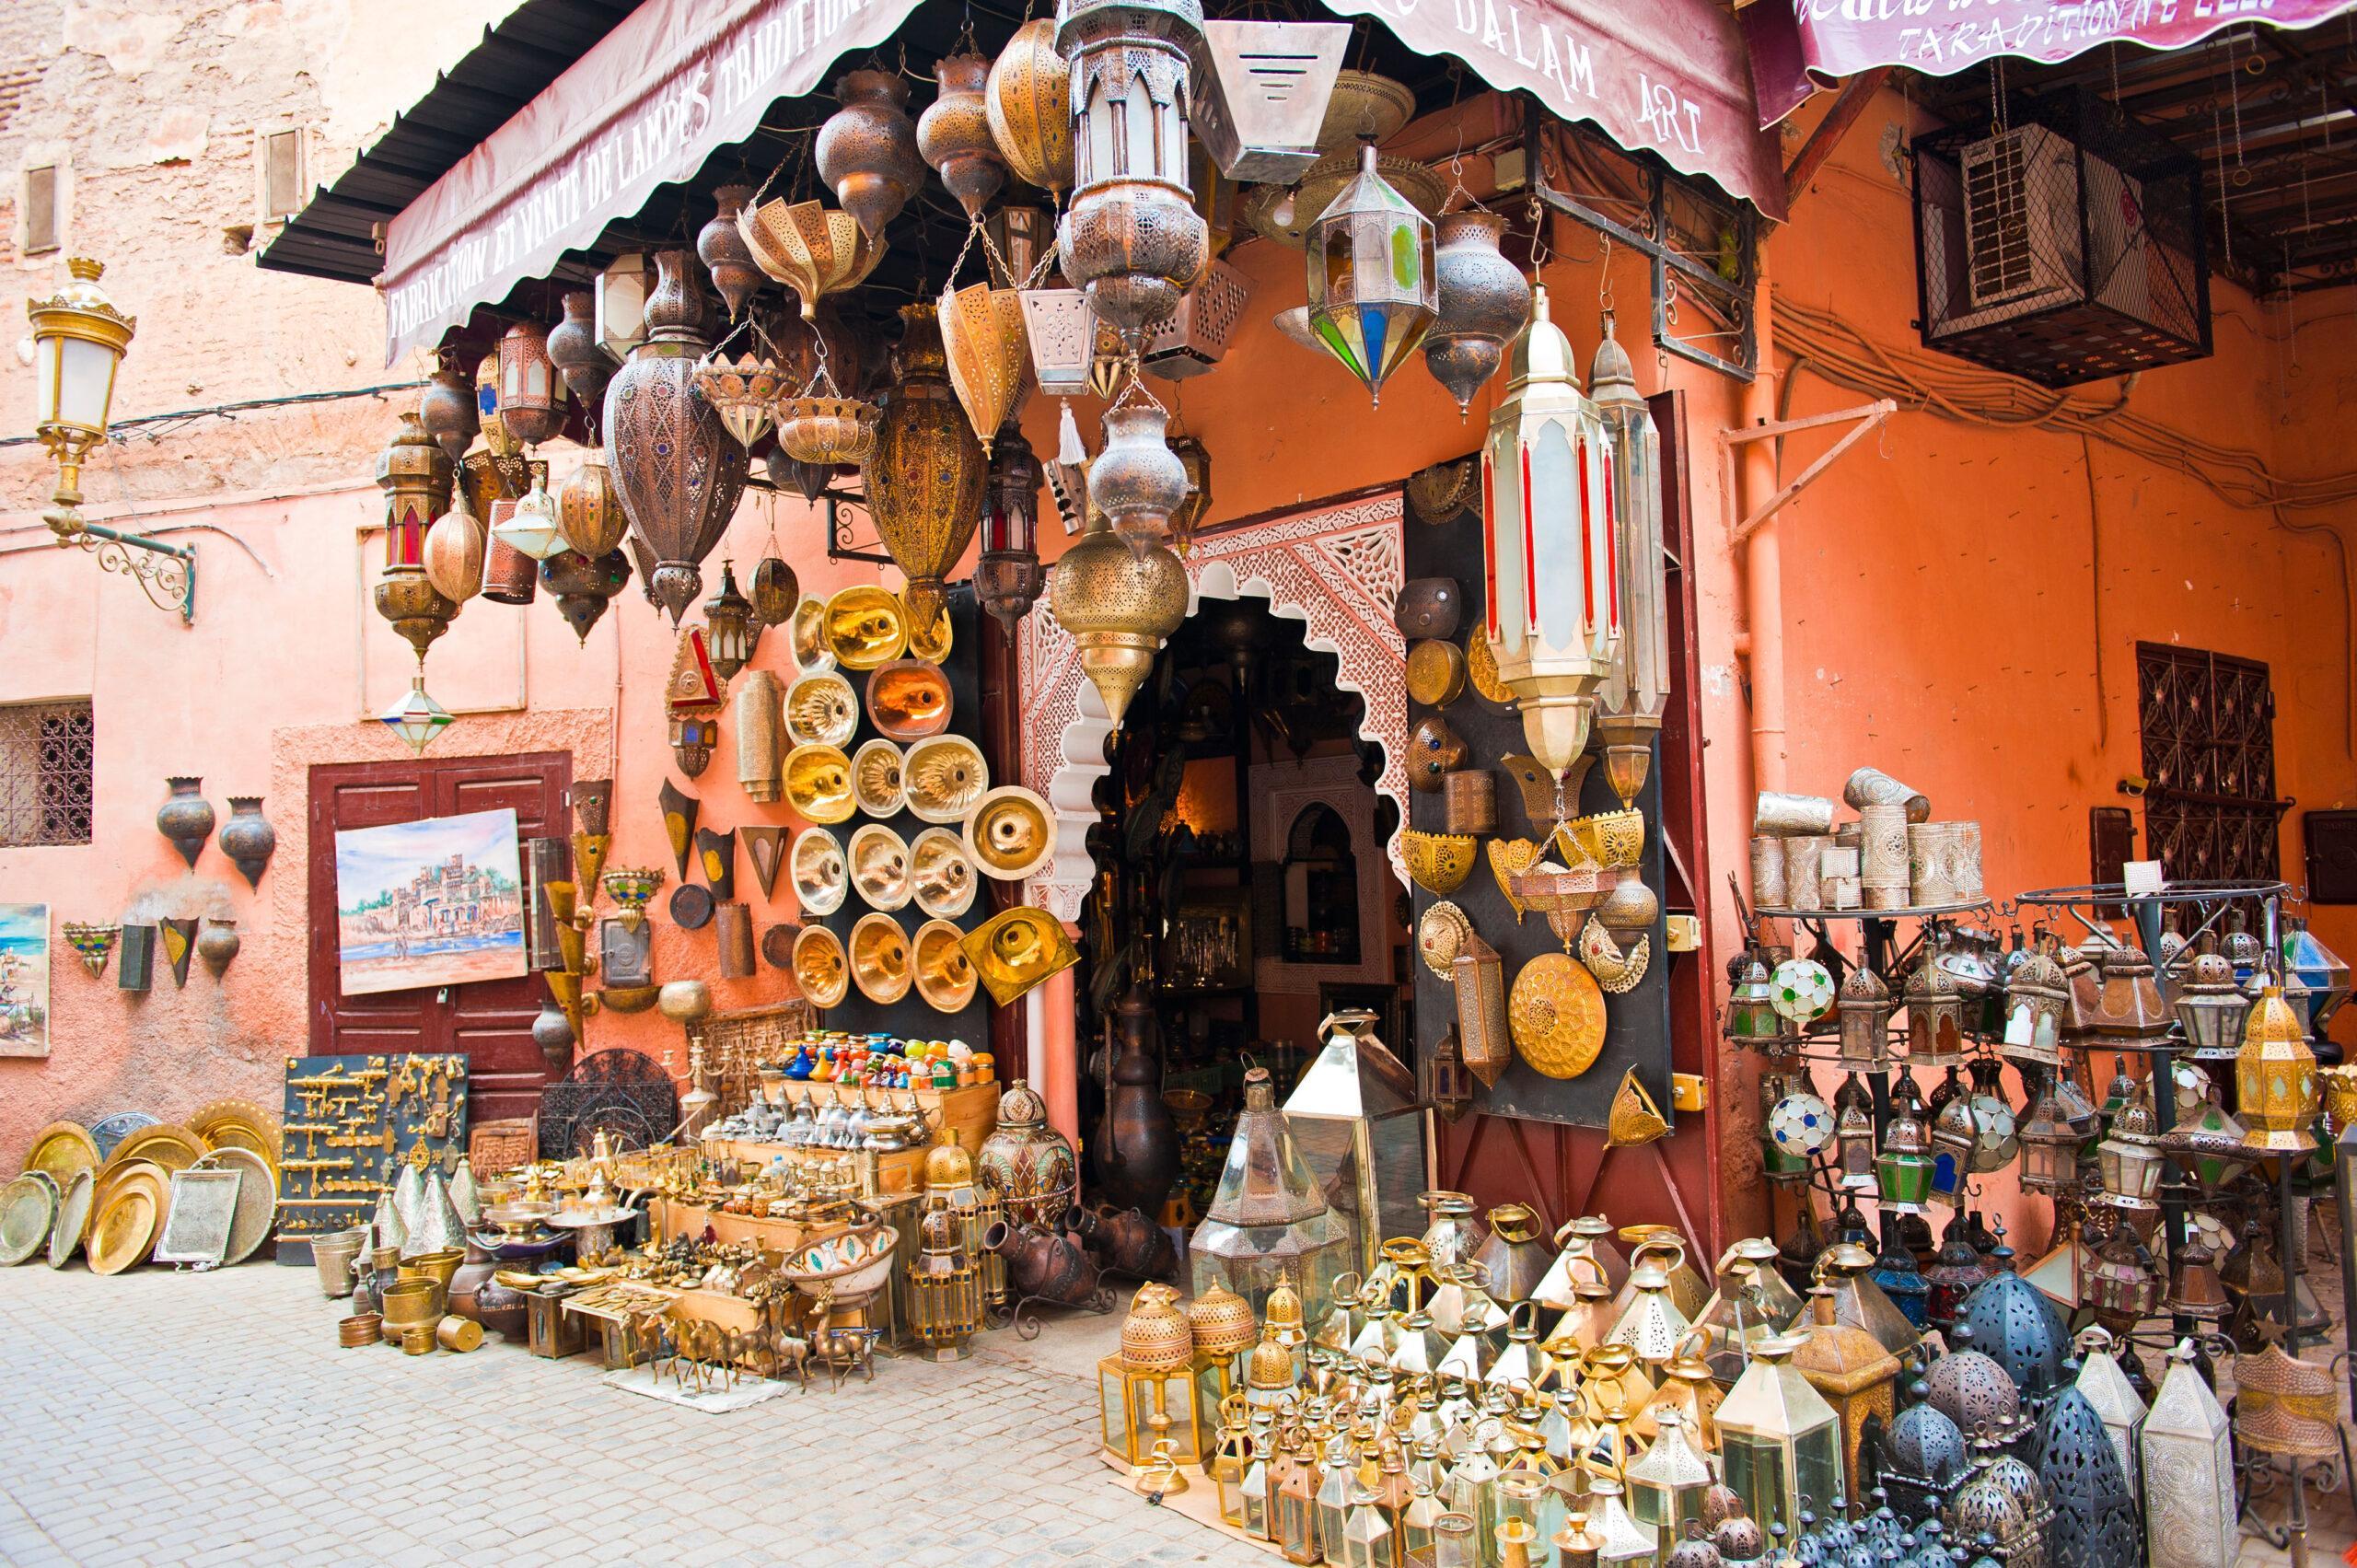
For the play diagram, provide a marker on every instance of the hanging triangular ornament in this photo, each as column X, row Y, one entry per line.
column 695, row 687
column 766, row 848
column 589, row 860
column 1635, row 1118
column 179, row 941
column 716, row 852
column 680, row 810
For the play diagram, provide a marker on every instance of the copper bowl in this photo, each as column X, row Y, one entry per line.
column 909, row 698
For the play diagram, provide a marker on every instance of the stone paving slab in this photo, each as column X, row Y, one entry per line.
column 157, row 1418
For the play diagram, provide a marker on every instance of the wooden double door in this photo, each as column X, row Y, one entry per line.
column 488, row 1022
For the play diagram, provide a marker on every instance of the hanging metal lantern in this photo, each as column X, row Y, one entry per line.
column 1954, row 1136
column 1903, row 1168
column 954, row 134
column 987, row 353
column 1136, row 480
column 2318, row 967
column 1935, row 1016
column 1952, row 1276
column 584, row 585
column 1374, row 283
column 454, row 551
column 1196, row 459
column 2050, row 1147
column 2189, row 1511
column 2095, row 1510
column 729, row 628
column 623, row 289
column 721, row 245
column 677, row 469
column 1261, row 93
column 1853, row 1136
column 1636, row 689
column 2211, row 1008
column 2017, row 1327
column 1118, row 605
column 1132, row 238
column 1028, row 100
column 1481, row 302
column 1751, row 1016
column 532, row 525
column 866, row 151
column 589, row 510
column 2115, row 1278
column 415, row 476
column 450, row 410
column 531, row 407
column 743, row 392
column 2036, row 1002
column 1060, row 332
column 415, row 716
column 924, row 479
column 775, row 593
column 1548, row 548
column 2130, row 1156
column 2275, row 1078
column 574, row 349
column 810, row 249
column 1865, row 1008
column 1007, row 576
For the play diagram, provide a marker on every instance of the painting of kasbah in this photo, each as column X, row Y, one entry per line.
column 434, row 902
column 24, row 980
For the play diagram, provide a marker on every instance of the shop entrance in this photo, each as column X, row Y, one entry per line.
column 1243, row 884
column 489, row 1021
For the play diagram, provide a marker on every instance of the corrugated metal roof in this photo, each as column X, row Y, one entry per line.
column 534, row 44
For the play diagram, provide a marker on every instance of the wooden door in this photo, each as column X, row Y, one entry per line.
column 489, row 1021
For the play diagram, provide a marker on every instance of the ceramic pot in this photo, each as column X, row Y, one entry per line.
column 246, row 838
column 218, row 944
column 866, row 151
column 1137, row 1143
column 185, row 818
column 575, row 350
column 1029, row 1163
column 552, row 1032
column 1127, row 1241
column 1428, row 607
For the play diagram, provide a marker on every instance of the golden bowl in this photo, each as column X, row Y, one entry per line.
column 944, row 976
column 819, row 967
column 879, row 959
column 947, row 778
column 627, row 998
column 865, row 627
column 817, row 784
column 879, row 866
column 941, row 874
column 821, row 876
column 1439, row 863
column 1612, row 839
column 875, row 779
column 812, row 652
column 930, row 642
column 1010, row 833
column 1016, row 949
column 909, row 698
column 821, row 710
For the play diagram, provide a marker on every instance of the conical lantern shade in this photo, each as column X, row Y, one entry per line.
column 809, row 248
column 989, row 352
column 924, row 479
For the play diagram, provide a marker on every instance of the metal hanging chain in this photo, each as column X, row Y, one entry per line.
column 1133, row 386
column 2235, row 102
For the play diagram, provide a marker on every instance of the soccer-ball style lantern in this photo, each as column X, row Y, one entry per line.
column 1548, row 545
column 1372, row 287
column 1803, row 991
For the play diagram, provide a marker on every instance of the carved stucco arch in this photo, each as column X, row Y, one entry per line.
column 1337, row 568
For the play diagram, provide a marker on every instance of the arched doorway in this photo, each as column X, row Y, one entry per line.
column 1241, row 880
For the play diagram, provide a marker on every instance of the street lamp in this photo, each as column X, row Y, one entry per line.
column 79, row 339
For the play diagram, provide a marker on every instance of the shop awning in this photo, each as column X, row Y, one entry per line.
column 1799, row 47
column 675, row 80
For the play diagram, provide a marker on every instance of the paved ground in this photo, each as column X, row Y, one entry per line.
column 161, row 1419
column 156, row 1419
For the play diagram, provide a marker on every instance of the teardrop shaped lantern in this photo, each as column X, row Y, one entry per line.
column 1483, row 300
column 953, row 132
column 588, row 509
column 866, row 151
column 679, row 472
column 989, row 354
column 720, row 245
column 574, row 349
column 924, row 479
column 584, row 585
column 1118, row 604
column 454, row 551
column 1374, row 288
column 1136, row 480
column 1547, row 544
column 1028, row 100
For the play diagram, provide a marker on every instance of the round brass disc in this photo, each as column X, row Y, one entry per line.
column 1440, row 936
column 166, row 1143
column 1556, row 1013
column 909, row 698
column 821, row 710
column 1481, row 670
column 946, row 778
column 1010, row 833
column 818, row 784
column 73, row 1219
column 124, row 1230
column 1435, row 673
column 62, row 1149
column 941, row 874
column 875, row 779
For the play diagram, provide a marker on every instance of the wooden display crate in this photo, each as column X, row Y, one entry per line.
column 897, row 1171
column 971, row 1111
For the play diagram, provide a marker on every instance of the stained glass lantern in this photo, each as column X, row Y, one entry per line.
column 1447, row 1082
column 1007, row 574
column 1935, row 1016
column 1995, row 1140
column 1374, row 289
column 2116, row 1280
column 1547, row 544
column 1802, row 991
column 729, row 628
column 1780, row 1442
column 2049, row 1148
column 2324, row 972
column 1269, row 1222
column 2093, row 1523
column 2211, row 1007
column 2036, row 998
column 1857, row 1376
column 620, row 309
column 2189, row 1511
column 1798, row 1126
column 1751, row 1017
column 1866, row 1008
column 2129, row 1156
column 531, row 525
column 1667, row 1482
column 1952, row 1276
column 416, row 717
column 944, row 1287
column 1903, row 1168
column 2275, row 1079
column 1954, row 1136
column 1356, row 1119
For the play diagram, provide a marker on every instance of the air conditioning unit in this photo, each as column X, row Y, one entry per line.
column 2021, row 199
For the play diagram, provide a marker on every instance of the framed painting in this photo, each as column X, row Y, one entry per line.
column 437, row 902
column 24, row 980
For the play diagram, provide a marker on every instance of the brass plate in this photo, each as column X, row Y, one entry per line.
column 73, row 1219
column 107, row 1181
column 239, row 1124
column 875, row 779
column 1435, row 673
column 27, row 1211
column 62, row 1149
column 865, row 627
column 1010, row 833
column 817, row 784
column 1556, row 1013
column 123, row 1233
column 166, row 1143
column 1481, row 670
column 909, row 699
column 1440, row 936
column 257, row 1212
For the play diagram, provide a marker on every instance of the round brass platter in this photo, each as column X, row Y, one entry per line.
column 1440, row 936
column 166, row 1143
column 239, row 1124
column 1435, row 673
column 1556, row 1013
column 944, row 976
column 1481, row 670
column 1010, row 833
column 865, row 627
column 909, row 698
column 107, row 1181
column 73, row 1219
column 879, row 959
column 819, row 967
column 255, row 1214
column 27, row 1211
column 62, row 1149
column 124, row 1231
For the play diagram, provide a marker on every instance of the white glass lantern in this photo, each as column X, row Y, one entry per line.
column 78, row 341
column 1778, row 1441
column 623, row 289
column 1356, row 1119
column 531, row 525
column 1547, row 543
column 1636, row 689
column 416, row 717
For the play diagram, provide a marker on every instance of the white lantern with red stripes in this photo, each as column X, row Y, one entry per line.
column 1548, row 544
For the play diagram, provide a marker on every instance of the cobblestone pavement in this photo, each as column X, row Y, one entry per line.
column 155, row 1417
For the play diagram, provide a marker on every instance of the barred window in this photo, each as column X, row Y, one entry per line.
column 2209, row 752
column 45, row 773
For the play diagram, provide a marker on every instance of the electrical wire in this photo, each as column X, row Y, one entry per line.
column 157, row 425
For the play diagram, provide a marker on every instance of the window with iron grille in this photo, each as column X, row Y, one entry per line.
column 45, row 773
column 2207, row 722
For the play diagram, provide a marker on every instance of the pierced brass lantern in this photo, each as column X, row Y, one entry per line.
column 2275, row 1078
column 924, row 479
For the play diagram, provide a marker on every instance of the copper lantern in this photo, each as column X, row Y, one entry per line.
column 1007, row 576
column 926, row 478
column 530, row 405
column 1548, row 549
column 730, row 630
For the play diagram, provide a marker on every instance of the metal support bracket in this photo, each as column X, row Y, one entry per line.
column 1867, row 417
column 170, row 583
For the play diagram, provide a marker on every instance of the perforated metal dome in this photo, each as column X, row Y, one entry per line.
column 2015, row 1325
column 2095, row 1512
column 1973, row 1393
column 1925, row 1444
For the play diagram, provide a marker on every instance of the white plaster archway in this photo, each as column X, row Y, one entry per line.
column 1336, row 568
